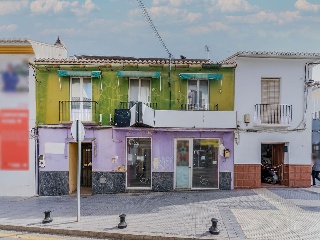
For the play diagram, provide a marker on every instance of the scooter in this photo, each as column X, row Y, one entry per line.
column 269, row 174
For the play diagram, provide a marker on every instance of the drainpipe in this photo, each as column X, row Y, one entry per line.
column 37, row 160
column 307, row 84
column 169, row 80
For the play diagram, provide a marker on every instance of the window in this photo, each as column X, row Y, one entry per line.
column 81, row 99
column 198, row 95
column 270, row 91
column 316, row 148
column 139, row 90
column 270, row 99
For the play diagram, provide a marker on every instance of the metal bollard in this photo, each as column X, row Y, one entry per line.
column 47, row 218
column 213, row 229
column 122, row 223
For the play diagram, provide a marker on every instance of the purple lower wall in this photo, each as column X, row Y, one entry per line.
column 109, row 147
column 163, row 146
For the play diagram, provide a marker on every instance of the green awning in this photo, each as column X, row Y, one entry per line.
column 200, row 76
column 138, row 74
column 64, row 73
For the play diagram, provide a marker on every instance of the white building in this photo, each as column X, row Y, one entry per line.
column 272, row 100
column 18, row 113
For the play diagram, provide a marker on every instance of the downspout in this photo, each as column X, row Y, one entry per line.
column 37, row 160
column 169, row 80
column 306, row 89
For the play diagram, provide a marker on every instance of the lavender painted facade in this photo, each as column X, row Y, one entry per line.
column 109, row 155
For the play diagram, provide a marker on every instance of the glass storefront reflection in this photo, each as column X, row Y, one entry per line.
column 138, row 162
column 205, row 163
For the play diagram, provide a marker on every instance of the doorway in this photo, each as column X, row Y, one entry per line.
column 138, row 163
column 86, row 168
column 272, row 157
column 196, row 163
column 81, row 99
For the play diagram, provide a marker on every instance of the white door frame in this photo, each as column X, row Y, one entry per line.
column 139, row 94
column 175, row 161
column 191, row 163
column 81, row 96
column 143, row 188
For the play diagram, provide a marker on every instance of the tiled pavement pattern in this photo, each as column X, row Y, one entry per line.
column 242, row 214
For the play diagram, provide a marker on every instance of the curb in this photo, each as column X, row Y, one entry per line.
column 90, row 234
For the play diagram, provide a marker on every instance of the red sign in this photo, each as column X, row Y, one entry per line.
column 14, row 139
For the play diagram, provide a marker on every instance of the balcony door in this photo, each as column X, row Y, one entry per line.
column 138, row 163
column 270, row 100
column 139, row 90
column 198, row 95
column 196, row 163
column 81, row 99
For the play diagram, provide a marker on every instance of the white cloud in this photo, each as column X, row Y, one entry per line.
column 65, row 31
column 263, row 16
column 9, row 28
column 231, row 6
column 191, row 17
column 9, row 7
column 44, row 6
column 86, row 8
column 210, row 27
column 306, row 6
column 165, row 12
column 175, row 3
column 97, row 22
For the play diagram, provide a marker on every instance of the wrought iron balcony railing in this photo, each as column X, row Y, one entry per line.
column 128, row 105
column 85, row 111
column 273, row 114
column 201, row 107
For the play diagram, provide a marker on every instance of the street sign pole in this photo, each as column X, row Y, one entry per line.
column 79, row 169
column 78, row 132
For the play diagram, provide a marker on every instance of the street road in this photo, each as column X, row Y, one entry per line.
column 10, row 235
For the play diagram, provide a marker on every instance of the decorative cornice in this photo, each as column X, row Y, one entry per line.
column 271, row 54
column 117, row 60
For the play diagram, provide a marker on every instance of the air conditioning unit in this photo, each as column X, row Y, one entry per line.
column 122, row 117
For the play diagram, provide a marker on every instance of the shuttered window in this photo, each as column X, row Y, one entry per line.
column 270, row 90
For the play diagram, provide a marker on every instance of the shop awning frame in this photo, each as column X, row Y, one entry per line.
column 200, row 76
column 138, row 74
column 66, row 73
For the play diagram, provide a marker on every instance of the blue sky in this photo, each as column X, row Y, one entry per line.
column 118, row 27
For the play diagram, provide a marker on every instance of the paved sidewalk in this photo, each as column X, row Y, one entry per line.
column 281, row 213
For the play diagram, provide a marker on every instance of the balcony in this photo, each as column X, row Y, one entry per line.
column 200, row 107
column 273, row 115
column 128, row 105
column 141, row 114
column 86, row 111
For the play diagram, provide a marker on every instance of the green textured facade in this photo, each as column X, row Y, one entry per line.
column 110, row 90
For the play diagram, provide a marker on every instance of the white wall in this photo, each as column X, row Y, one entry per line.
column 23, row 182
column 43, row 50
column 248, row 76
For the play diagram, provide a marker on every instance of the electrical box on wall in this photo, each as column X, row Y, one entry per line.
column 42, row 162
column 246, row 119
column 226, row 153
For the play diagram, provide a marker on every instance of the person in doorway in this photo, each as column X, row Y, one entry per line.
column 315, row 169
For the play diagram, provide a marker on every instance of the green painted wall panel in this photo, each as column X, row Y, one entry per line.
column 115, row 90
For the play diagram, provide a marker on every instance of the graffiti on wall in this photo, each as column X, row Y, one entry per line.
column 121, row 168
column 163, row 163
